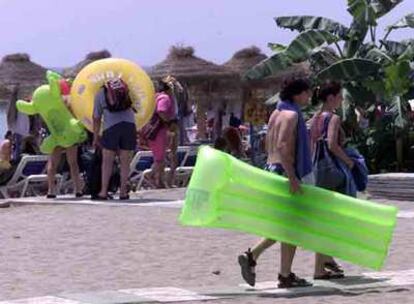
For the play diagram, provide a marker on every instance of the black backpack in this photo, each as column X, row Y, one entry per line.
column 117, row 95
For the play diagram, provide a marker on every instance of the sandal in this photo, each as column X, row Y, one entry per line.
column 329, row 276
column 292, row 281
column 334, row 267
column 99, row 198
column 248, row 264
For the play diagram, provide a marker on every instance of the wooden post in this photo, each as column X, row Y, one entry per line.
column 201, row 122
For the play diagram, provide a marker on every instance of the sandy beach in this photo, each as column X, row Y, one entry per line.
column 63, row 248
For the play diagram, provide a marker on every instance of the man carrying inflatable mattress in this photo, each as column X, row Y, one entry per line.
column 249, row 199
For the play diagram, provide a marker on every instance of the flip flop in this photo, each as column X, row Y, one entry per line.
column 99, row 198
column 329, row 276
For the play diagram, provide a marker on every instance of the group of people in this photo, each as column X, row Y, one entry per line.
column 114, row 134
column 291, row 149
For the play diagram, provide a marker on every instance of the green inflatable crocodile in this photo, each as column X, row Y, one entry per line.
column 47, row 101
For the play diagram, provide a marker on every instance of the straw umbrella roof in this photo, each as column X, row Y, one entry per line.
column 183, row 64
column 91, row 57
column 5, row 94
column 18, row 69
column 245, row 59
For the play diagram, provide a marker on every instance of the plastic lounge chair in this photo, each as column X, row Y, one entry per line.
column 30, row 169
column 182, row 152
column 190, row 158
column 182, row 176
column 142, row 161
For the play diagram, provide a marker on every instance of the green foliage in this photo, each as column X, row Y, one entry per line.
column 303, row 23
column 397, row 79
column 276, row 47
column 407, row 21
column 298, row 51
column 349, row 69
column 373, row 72
column 362, row 12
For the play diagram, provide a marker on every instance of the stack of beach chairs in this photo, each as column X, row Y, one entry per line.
column 393, row 186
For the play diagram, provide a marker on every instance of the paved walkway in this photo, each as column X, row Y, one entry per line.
column 80, row 252
column 349, row 285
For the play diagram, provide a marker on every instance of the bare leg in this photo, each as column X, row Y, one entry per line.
column 107, row 164
column 173, row 166
column 286, row 259
column 125, row 160
column 320, row 260
column 159, row 173
column 260, row 247
column 52, row 165
column 72, row 158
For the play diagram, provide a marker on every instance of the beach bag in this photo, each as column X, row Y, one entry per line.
column 328, row 174
column 151, row 129
column 117, row 95
column 94, row 175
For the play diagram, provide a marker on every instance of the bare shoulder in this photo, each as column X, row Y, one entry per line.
column 336, row 119
column 6, row 143
column 290, row 116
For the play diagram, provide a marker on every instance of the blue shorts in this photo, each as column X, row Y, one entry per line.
column 275, row 168
column 122, row 136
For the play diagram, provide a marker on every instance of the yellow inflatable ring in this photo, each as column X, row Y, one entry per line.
column 91, row 78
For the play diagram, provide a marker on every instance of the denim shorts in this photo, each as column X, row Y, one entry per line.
column 122, row 136
column 275, row 168
column 278, row 169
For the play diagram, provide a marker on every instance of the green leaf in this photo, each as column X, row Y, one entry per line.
column 396, row 48
column 408, row 54
column 303, row 23
column 276, row 47
column 321, row 58
column 362, row 12
column 357, row 34
column 397, row 78
column 407, row 21
column 382, row 7
column 374, row 85
column 270, row 66
column 349, row 69
column 298, row 51
column 303, row 45
column 377, row 55
column 399, row 112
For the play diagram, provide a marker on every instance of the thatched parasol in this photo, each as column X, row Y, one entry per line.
column 5, row 94
column 183, row 64
column 91, row 57
column 18, row 69
column 245, row 59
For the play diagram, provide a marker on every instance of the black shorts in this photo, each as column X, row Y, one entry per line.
column 122, row 136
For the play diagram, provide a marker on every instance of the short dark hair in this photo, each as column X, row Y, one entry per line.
column 162, row 86
column 293, row 87
column 8, row 134
column 326, row 89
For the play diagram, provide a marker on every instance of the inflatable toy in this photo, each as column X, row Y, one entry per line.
column 91, row 79
column 227, row 193
column 65, row 130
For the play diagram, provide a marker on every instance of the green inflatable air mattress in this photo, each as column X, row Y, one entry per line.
column 225, row 192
